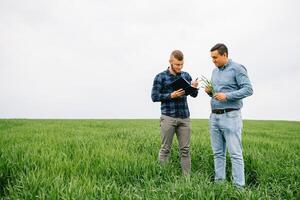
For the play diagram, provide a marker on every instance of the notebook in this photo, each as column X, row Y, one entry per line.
column 182, row 83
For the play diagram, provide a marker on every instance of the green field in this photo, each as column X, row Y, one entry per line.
column 116, row 159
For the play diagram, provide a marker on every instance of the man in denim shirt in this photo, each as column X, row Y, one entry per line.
column 174, row 110
column 231, row 84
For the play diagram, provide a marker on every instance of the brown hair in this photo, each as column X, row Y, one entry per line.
column 177, row 54
column 221, row 48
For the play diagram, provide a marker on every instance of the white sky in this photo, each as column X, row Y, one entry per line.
column 98, row 58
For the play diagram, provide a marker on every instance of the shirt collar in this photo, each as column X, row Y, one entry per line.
column 169, row 73
column 223, row 67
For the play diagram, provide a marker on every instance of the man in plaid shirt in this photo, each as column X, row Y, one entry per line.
column 174, row 110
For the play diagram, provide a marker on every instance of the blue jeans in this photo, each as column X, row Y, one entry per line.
column 226, row 130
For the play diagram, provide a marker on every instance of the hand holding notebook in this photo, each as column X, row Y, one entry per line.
column 182, row 83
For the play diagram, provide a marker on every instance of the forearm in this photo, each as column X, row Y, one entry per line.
column 239, row 94
column 156, row 97
column 244, row 85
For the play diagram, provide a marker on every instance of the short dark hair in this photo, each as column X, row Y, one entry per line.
column 221, row 48
column 177, row 54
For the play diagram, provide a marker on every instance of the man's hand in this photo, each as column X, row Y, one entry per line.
column 220, row 96
column 207, row 90
column 177, row 93
column 195, row 83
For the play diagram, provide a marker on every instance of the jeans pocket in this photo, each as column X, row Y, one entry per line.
column 232, row 114
column 188, row 120
column 161, row 120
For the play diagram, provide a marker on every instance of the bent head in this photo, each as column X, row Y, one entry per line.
column 176, row 61
column 219, row 55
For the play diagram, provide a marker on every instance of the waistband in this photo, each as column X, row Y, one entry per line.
column 222, row 111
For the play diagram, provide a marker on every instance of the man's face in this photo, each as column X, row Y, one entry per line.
column 176, row 65
column 218, row 60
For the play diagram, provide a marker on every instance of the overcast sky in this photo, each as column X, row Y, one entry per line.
column 98, row 58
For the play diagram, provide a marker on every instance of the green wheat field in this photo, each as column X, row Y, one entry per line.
column 117, row 159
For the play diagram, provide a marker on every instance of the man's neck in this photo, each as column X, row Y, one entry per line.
column 171, row 71
column 226, row 62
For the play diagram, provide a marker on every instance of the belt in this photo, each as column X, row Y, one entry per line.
column 222, row 111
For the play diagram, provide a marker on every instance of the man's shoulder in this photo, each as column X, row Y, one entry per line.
column 237, row 66
column 215, row 70
column 163, row 73
column 161, row 76
column 185, row 74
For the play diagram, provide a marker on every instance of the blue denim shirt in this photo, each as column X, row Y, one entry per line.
column 231, row 79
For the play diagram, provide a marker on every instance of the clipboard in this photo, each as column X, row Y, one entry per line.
column 182, row 83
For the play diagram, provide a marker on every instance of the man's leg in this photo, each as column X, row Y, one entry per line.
column 219, row 147
column 233, row 136
column 167, row 125
column 183, row 135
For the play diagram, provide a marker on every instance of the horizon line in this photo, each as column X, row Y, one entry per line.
column 67, row 118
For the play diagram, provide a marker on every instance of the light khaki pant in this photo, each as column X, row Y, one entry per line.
column 169, row 126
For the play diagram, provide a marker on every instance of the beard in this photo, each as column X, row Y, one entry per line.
column 174, row 70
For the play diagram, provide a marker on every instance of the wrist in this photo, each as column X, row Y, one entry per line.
column 227, row 96
column 172, row 95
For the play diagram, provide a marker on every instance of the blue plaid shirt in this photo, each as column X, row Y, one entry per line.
column 161, row 91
